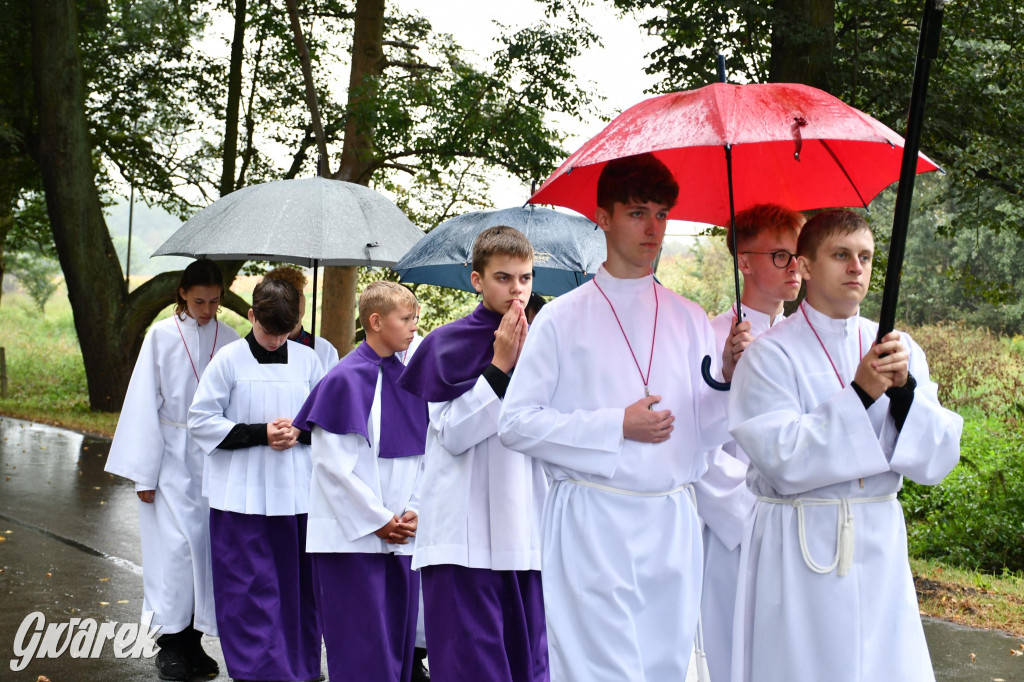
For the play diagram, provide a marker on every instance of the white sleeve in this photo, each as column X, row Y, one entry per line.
column 354, row 503
column 928, row 446
column 588, row 441
column 207, row 424
column 797, row 451
column 138, row 446
column 468, row 420
column 712, row 406
column 417, row 489
column 723, row 500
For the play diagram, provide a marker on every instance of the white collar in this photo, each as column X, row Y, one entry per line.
column 823, row 324
column 610, row 283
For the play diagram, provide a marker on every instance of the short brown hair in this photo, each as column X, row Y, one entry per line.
column 275, row 305
column 838, row 221
column 636, row 179
column 382, row 297
column 773, row 218
column 500, row 240
column 286, row 273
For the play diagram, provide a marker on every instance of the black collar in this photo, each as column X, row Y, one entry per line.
column 264, row 356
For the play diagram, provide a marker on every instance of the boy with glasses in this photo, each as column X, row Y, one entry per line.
column 766, row 236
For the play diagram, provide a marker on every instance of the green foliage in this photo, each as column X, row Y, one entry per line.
column 972, row 124
column 704, row 275
column 975, row 517
column 37, row 273
column 971, row 274
column 975, row 370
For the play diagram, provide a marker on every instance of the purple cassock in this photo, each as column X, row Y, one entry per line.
column 369, row 601
column 485, row 625
column 481, row 624
column 341, row 403
column 452, row 357
column 262, row 579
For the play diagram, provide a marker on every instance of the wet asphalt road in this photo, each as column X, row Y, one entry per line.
column 70, row 549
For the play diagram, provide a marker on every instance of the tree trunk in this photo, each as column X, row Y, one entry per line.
column 803, row 40
column 96, row 287
column 339, row 302
column 227, row 176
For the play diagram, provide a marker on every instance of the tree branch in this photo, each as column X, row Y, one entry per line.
column 307, row 77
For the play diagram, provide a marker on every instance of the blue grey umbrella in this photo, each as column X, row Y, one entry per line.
column 567, row 249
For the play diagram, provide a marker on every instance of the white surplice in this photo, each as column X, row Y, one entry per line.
column 236, row 389
column 482, row 502
column 725, row 503
column 622, row 571
column 327, row 353
column 151, row 447
column 811, row 440
column 353, row 492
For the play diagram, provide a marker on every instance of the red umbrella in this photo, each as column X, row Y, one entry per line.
column 731, row 147
column 791, row 144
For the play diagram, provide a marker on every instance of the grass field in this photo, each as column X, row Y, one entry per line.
column 46, row 383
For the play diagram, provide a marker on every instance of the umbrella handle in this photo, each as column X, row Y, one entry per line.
column 705, row 372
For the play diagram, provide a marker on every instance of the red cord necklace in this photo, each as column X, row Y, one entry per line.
column 216, row 333
column 860, row 346
column 654, row 336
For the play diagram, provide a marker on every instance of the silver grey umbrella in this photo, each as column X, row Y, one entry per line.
column 306, row 221
column 310, row 222
column 567, row 249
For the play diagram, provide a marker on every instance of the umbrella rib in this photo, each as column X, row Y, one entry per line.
column 843, row 168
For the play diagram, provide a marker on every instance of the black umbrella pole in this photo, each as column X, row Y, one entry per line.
column 705, row 366
column 312, row 322
column 927, row 49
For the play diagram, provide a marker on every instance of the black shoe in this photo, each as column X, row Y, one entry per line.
column 199, row 662
column 419, row 670
column 172, row 665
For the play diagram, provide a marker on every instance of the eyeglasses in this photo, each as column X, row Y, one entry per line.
column 780, row 259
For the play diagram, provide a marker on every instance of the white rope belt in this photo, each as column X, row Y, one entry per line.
column 635, row 493
column 177, row 425
column 843, row 559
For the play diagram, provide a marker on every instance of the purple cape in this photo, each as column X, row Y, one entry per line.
column 341, row 404
column 452, row 357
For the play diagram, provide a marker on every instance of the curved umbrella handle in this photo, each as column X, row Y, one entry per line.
column 705, row 371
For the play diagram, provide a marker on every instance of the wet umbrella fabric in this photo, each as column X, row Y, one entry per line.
column 791, row 144
column 731, row 147
column 567, row 249
column 308, row 221
column 304, row 221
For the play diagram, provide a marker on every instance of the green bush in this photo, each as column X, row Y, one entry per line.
column 975, row 518
column 975, row 370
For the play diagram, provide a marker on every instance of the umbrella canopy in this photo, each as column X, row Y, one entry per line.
column 310, row 221
column 791, row 144
column 567, row 249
